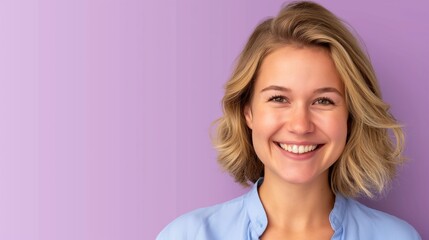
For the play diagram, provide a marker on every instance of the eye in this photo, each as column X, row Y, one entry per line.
column 324, row 101
column 278, row 99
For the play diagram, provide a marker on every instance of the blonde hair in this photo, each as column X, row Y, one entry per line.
column 370, row 158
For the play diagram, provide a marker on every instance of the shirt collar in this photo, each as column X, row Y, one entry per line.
column 258, row 217
column 255, row 210
column 337, row 214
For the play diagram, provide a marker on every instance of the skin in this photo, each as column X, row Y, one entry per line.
column 298, row 99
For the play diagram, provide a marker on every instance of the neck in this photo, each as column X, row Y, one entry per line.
column 297, row 206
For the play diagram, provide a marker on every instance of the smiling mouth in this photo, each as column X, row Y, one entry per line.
column 298, row 149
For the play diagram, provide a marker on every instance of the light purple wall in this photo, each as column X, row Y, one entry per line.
column 106, row 108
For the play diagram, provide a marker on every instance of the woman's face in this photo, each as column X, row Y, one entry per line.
column 298, row 114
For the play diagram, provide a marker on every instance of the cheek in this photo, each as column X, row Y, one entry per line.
column 266, row 122
column 336, row 126
column 340, row 133
column 333, row 124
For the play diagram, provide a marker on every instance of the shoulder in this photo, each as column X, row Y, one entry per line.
column 377, row 224
column 198, row 223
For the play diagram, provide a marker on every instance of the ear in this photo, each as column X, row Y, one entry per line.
column 248, row 115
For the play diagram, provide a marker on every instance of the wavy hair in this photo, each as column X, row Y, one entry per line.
column 375, row 140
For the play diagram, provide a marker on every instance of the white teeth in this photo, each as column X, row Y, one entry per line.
column 299, row 149
column 295, row 149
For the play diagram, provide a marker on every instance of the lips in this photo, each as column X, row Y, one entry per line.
column 298, row 149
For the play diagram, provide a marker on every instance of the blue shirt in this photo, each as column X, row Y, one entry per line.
column 245, row 218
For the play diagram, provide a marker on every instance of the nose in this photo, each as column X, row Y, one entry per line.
column 300, row 121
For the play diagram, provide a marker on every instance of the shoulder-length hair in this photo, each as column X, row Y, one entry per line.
column 370, row 157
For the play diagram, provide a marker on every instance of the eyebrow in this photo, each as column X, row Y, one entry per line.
column 277, row 88
column 317, row 91
column 328, row 89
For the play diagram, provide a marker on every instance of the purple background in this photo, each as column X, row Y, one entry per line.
column 106, row 108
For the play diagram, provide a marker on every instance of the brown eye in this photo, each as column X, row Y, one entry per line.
column 324, row 101
column 278, row 99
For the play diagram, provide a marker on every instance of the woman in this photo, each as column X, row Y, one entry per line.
column 304, row 121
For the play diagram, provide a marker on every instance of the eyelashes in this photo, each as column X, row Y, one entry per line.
column 324, row 101
column 278, row 99
column 318, row 101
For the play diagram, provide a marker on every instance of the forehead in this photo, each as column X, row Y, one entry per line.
column 293, row 65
